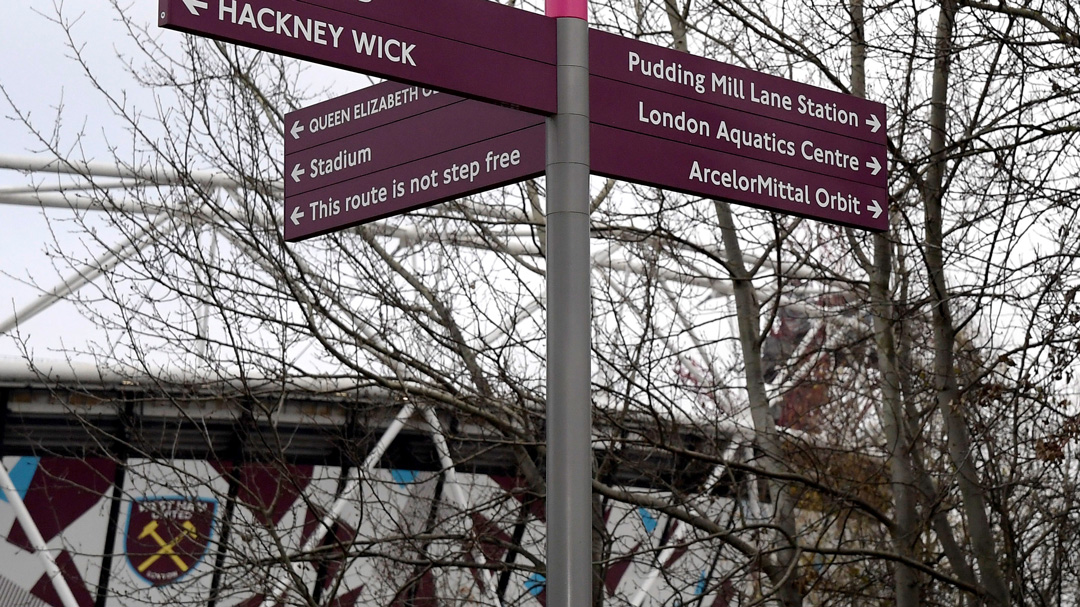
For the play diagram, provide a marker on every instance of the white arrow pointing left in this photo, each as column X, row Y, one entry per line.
column 297, row 173
column 193, row 5
column 297, row 215
column 297, row 128
column 873, row 165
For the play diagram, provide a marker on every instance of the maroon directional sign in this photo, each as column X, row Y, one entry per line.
column 659, row 117
column 700, row 171
column 646, row 65
column 392, row 148
column 672, row 120
column 661, row 114
column 440, row 129
column 506, row 56
column 452, row 174
column 359, row 111
column 484, row 23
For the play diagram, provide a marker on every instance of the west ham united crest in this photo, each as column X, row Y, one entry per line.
column 168, row 536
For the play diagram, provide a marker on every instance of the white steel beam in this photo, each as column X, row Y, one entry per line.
column 82, row 276
column 158, row 176
column 33, row 534
column 450, row 474
column 74, row 201
column 348, row 493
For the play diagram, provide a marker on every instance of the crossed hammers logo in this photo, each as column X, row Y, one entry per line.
column 166, row 548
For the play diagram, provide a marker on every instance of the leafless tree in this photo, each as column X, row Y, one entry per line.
column 811, row 415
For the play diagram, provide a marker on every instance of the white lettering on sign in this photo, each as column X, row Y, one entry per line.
column 757, row 184
column 673, row 72
column 279, row 23
column 390, row 101
column 171, row 509
column 502, row 160
column 493, row 161
column 327, row 209
column 468, row 171
column 768, row 142
column 459, row 172
column 768, row 98
column 322, row 209
column 834, row 158
column 728, row 85
column 357, row 111
column 735, row 87
column 345, row 159
column 373, row 196
column 677, row 122
column 424, row 182
column 383, row 48
column 845, row 203
column 335, row 118
column 828, row 111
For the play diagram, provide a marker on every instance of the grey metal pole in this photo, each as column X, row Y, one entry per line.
column 569, row 322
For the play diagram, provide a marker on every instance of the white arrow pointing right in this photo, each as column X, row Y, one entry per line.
column 296, row 129
column 297, row 173
column 873, row 165
column 875, row 206
column 874, row 123
column 194, row 5
column 297, row 215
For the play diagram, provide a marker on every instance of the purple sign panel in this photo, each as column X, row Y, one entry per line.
column 451, row 174
column 399, row 142
column 482, row 23
column 362, row 43
column 359, row 111
column 700, row 171
column 685, row 120
column 645, row 65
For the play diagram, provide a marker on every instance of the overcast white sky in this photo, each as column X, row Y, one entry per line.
column 36, row 73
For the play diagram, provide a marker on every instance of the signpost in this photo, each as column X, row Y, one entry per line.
column 356, row 158
column 659, row 117
column 656, row 116
column 569, row 321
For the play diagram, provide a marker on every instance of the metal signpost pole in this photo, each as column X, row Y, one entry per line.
column 569, row 402
column 811, row 152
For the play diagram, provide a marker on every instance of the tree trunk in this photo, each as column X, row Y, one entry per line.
column 767, row 438
column 906, row 531
column 944, row 332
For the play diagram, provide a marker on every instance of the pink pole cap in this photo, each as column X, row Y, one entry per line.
column 567, row 8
